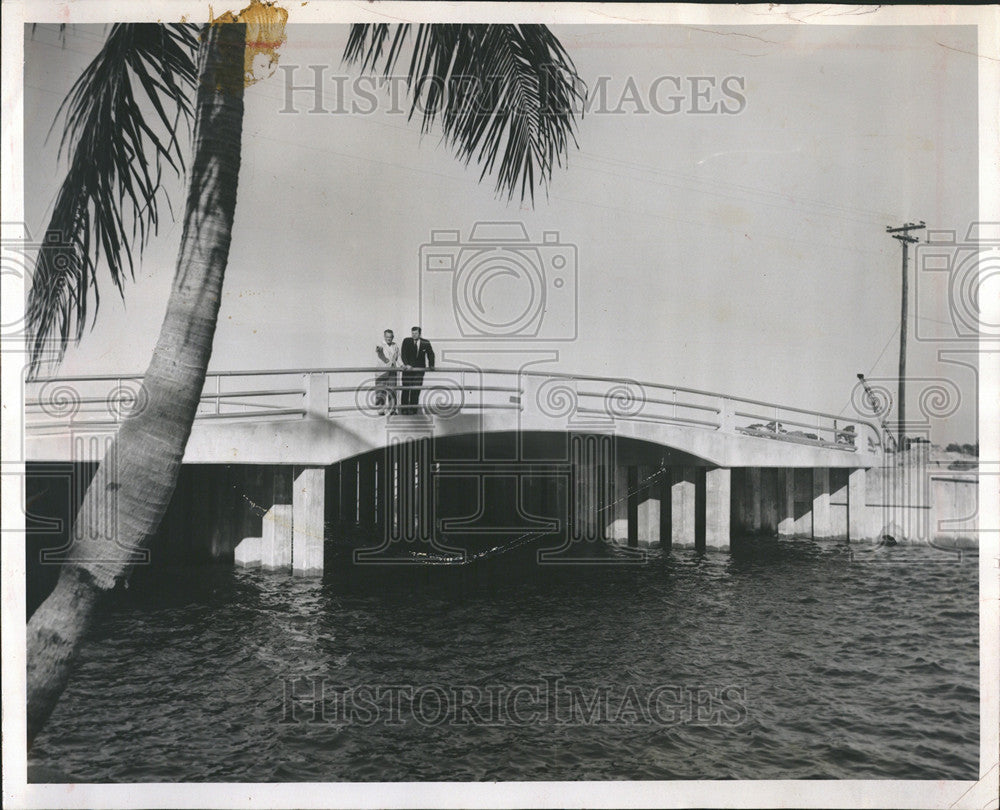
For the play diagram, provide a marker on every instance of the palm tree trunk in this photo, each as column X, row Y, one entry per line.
column 130, row 492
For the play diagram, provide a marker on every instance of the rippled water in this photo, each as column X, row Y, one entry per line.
column 842, row 662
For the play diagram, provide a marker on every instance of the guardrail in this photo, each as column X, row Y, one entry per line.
column 106, row 400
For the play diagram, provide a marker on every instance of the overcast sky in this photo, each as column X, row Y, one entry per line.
column 741, row 252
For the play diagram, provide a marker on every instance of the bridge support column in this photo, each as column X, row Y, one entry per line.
column 276, row 532
column 682, row 511
column 604, row 490
column 410, row 489
column 617, row 516
column 755, row 495
column 857, row 509
column 822, row 524
column 632, row 504
column 786, row 502
column 348, row 497
column 587, row 453
column 838, row 502
column 771, row 495
column 648, row 507
column 802, row 503
column 247, row 553
column 308, row 510
column 663, row 484
column 367, row 494
column 718, row 495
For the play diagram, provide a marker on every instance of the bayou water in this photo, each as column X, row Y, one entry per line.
column 785, row 659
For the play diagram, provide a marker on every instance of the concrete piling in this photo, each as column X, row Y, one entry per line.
column 822, row 525
column 308, row 509
column 276, row 540
column 647, row 507
column 682, row 507
column 718, row 496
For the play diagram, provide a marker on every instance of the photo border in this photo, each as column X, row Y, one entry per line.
column 800, row 793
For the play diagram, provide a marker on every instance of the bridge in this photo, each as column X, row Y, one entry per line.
column 596, row 458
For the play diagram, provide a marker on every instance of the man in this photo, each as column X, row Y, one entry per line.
column 417, row 355
column 386, row 382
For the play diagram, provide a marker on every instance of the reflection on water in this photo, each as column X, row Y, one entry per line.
column 843, row 662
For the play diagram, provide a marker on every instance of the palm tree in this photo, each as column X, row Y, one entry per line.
column 505, row 97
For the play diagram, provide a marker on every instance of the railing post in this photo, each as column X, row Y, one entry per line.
column 218, row 393
column 727, row 415
column 316, row 388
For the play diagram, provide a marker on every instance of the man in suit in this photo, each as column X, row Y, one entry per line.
column 417, row 356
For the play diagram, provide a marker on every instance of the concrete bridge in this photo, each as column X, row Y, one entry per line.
column 495, row 453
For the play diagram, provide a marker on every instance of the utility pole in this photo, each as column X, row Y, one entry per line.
column 902, row 233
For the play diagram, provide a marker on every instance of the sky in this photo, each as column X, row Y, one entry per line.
column 741, row 252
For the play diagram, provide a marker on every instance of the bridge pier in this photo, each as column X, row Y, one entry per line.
column 857, row 486
column 786, row 503
column 755, row 488
column 718, row 495
column 590, row 487
column 648, row 507
column 838, row 503
column 276, row 537
column 664, row 484
column 616, row 523
column 798, row 501
column 802, row 500
column 308, row 512
column 770, row 496
column 408, row 471
column 822, row 525
column 292, row 527
column 367, row 494
column 682, row 507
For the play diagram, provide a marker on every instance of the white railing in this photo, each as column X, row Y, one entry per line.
column 106, row 400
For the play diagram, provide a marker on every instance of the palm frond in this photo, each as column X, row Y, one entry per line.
column 122, row 119
column 506, row 96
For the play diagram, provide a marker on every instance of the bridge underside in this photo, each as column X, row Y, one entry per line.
column 462, row 493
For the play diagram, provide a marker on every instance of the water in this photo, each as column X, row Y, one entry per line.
column 841, row 662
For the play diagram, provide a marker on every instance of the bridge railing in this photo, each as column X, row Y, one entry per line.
column 444, row 392
column 632, row 400
column 105, row 400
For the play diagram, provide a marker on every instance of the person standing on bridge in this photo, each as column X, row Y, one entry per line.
column 417, row 355
column 388, row 381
